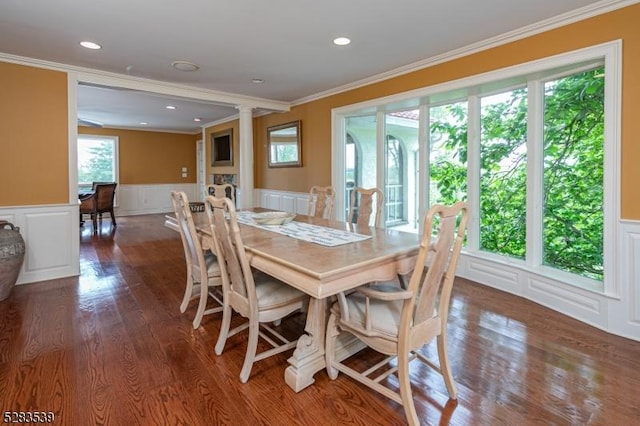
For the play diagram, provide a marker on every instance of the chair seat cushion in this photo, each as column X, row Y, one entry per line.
column 272, row 293
column 385, row 315
column 213, row 269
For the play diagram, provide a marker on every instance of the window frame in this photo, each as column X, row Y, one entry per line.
column 116, row 166
column 469, row 88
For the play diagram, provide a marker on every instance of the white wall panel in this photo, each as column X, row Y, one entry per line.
column 624, row 313
column 293, row 202
column 51, row 235
column 48, row 244
column 634, row 277
column 148, row 199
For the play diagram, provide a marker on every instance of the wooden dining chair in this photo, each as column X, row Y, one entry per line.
column 256, row 296
column 203, row 271
column 222, row 190
column 398, row 322
column 363, row 204
column 100, row 201
column 321, row 201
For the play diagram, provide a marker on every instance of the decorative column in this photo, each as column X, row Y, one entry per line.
column 245, row 181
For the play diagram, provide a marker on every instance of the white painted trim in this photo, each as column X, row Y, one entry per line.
column 72, row 117
column 612, row 166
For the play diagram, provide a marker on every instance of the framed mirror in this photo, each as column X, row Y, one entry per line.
column 285, row 143
column 222, row 148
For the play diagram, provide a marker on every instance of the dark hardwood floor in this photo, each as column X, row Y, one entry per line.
column 111, row 347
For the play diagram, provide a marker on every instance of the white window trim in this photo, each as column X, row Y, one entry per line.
column 611, row 52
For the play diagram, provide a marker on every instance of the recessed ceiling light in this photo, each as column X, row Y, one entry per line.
column 90, row 45
column 257, row 81
column 197, row 119
column 144, row 123
column 341, row 41
column 184, row 66
column 170, row 107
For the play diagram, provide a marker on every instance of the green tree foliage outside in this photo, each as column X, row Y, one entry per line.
column 503, row 174
column 573, row 172
column 97, row 166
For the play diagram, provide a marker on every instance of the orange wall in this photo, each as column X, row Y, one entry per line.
column 316, row 116
column 33, row 136
column 152, row 157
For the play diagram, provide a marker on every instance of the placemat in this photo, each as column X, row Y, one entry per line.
column 306, row 231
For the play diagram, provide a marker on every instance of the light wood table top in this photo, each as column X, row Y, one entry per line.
column 322, row 271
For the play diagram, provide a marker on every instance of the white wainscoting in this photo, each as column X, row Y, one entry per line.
column 149, row 199
column 293, row 202
column 51, row 234
column 616, row 315
column 625, row 312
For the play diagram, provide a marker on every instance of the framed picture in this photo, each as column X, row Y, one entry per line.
column 222, row 148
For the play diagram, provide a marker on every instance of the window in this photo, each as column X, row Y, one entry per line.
column 503, row 173
column 532, row 149
column 447, row 160
column 394, row 186
column 97, row 160
column 573, row 218
column 352, row 166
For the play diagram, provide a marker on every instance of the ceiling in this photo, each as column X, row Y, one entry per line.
column 286, row 43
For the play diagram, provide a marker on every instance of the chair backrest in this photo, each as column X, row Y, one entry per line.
column 321, row 200
column 222, row 190
column 444, row 230
column 94, row 184
column 190, row 240
column 104, row 195
column 361, row 206
column 237, row 278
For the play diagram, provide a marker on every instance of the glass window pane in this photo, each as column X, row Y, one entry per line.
column 360, row 154
column 573, row 218
column 96, row 160
column 401, row 173
column 503, row 173
column 448, row 153
column 394, row 201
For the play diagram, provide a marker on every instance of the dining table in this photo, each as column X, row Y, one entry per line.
column 321, row 271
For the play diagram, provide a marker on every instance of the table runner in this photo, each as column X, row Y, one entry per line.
column 306, row 231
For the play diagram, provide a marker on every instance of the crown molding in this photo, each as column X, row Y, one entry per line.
column 104, row 78
column 558, row 21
